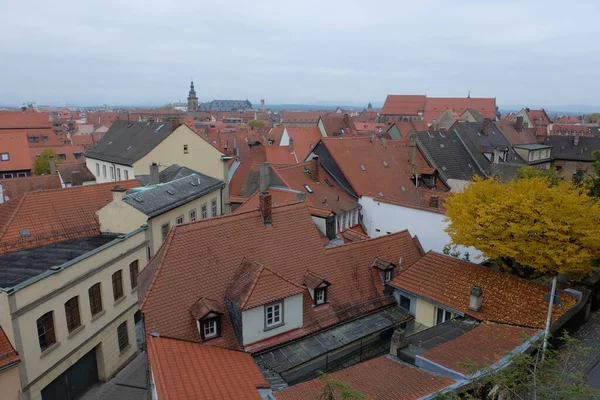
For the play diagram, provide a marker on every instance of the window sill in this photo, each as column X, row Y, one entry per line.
column 50, row 349
column 270, row 328
column 119, row 300
column 134, row 290
column 75, row 331
column 125, row 350
column 97, row 316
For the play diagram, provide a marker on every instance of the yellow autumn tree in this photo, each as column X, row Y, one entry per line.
column 528, row 224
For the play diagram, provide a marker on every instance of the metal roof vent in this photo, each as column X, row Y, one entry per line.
column 403, row 188
column 442, row 145
column 385, row 164
column 170, row 192
column 380, row 194
column 363, row 168
column 308, row 189
column 24, row 232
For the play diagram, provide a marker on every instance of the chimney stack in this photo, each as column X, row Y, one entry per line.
column 346, row 121
column 265, row 176
column 496, row 156
column 52, row 165
column 314, row 169
column 175, row 123
column 154, row 179
column 291, row 145
column 413, row 151
column 519, row 123
column 434, row 201
column 576, row 140
column 485, row 128
column 118, row 193
column 475, row 298
column 398, row 342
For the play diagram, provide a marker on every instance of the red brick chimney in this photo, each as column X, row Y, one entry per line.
column 291, row 145
column 314, row 169
column 264, row 203
column 485, row 128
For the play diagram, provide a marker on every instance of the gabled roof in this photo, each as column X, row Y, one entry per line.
column 409, row 105
column 171, row 173
column 305, row 139
column 54, row 215
column 183, row 271
column 14, row 187
column 245, row 179
column 301, row 116
column 336, row 124
column 564, row 147
column 479, row 348
column 75, row 173
column 280, row 155
column 205, row 306
column 312, row 280
column 279, row 197
column 156, row 200
column 24, row 120
column 125, row 143
column 514, row 137
column 435, row 106
column 8, row 354
column 538, row 117
column 475, row 114
column 15, row 144
column 184, row 370
column 257, row 285
column 448, row 281
column 382, row 378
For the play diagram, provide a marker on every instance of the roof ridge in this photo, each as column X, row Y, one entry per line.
column 84, row 186
column 206, row 346
column 370, row 240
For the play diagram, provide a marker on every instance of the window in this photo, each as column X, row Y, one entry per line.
column 95, row 299
column 77, row 155
column 45, row 328
column 165, row 231
column 6, row 176
column 21, row 174
column 209, row 328
column 193, row 215
column 203, row 214
column 62, row 156
column 321, row 295
column 112, row 172
column 185, row 149
column 126, row 174
column 72, row 313
column 117, row 283
column 389, row 274
column 104, row 171
column 273, row 315
column 442, row 315
column 405, row 302
column 118, row 174
column 97, row 169
column 180, row 220
column 4, row 157
column 133, row 273
column 213, row 206
column 123, row 336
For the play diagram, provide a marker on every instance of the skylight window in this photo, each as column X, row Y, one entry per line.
column 403, row 188
column 328, row 182
column 363, row 168
column 380, row 194
column 24, row 232
column 442, row 145
column 385, row 164
column 170, row 192
column 160, row 127
column 444, row 169
column 306, row 170
column 308, row 189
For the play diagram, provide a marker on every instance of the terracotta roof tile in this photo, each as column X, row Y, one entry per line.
column 302, row 116
column 67, row 150
column 435, row 106
column 279, row 197
column 13, row 188
column 403, row 104
column 24, row 120
column 54, row 215
column 479, row 348
column 305, row 139
column 381, row 378
column 336, row 124
column 280, row 155
column 184, row 370
column 249, row 168
column 15, row 144
column 513, row 136
column 8, row 355
column 506, row 299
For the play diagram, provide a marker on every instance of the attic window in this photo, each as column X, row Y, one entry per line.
column 320, row 295
column 209, row 328
column 385, row 164
column 129, row 148
column 389, row 274
column 185, row 149
column 403, row 188
column 171, row 193
column 4, row 157
column 444, row 168
column 363, row 168
column 306, row 170
column 442, row 145
column 24, row 232
column 308, row 189
column 380, row 194
column 328, row 182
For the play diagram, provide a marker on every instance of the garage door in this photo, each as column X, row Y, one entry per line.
column 75, row 381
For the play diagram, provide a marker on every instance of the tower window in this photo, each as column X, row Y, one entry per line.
column 185, row 149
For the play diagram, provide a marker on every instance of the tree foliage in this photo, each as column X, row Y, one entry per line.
column 336, row 390
column 548, row 229
column 255, row 124
column 592, row 118
column 549, row 174
column 42, row 163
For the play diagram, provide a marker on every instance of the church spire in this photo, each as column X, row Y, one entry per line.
column 192, row 99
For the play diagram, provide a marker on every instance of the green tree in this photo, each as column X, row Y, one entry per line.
column 592, row 118
column 42, row 163
column 255, row 124
column 336, row 390
column 549, row 174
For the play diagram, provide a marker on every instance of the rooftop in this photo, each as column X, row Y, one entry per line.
column 15, row 144
column 19, row 266
column 8, row 355
column 168, row 174
column 75, row 173
column 535, row 146
column 409, row 105
column 506, row 299
column 301, row 116
column 14, row 187
column 564, row 147
column 435, row 106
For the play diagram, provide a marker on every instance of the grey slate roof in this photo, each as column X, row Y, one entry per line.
column 125, row 143
column 225, row 105
column 564, row 148
column 533, row 146
column 19, row 266
column 155, row 200
column 449, row 154
column 168, row 174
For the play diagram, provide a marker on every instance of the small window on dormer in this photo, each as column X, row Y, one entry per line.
column 389, row 274
column 321, row 295
column 209, row 328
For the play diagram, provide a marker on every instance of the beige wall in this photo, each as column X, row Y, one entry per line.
column 10, row 384
column 28, row 304
column 201, row 156
column 568, row 168
column 120, row 217
column 425, row 313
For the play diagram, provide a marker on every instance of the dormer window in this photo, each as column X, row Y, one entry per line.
column 321, row 295
column 386, row 269
column 207, row 314
column 210, row 327
column 388, row 275
column 273, row 315
column 317, row 287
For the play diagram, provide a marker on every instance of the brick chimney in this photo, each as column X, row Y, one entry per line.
column 434, row 201
column 52, row 163
column 485, row 128
column 519, row 124
column 475, row 298
column 175, row 123
column 314, row 169
column 291, row 145
column 118, row 193
column 346, row 120
column 264, row 203
column 154, row 179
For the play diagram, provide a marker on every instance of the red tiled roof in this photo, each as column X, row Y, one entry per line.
column 371, row 127
column 381, row 378
column 15, row 187
column 16, row 145
column 182, row 272
column 82, row 140
column 184, row 370
column 8, row 355
column 249, row 165
column 506, row 299
column 435, row 106
column 354, row 234
column 75, row 173
column 408, row 105
column 513, row 136
column 350, row 153
column 335, row 123
column 302, row 116
column 538, row 118
column 305, row 139
column 280, row 155
column 68, row 151
column 24, row 120
column 478, row 348
column 323, row 195
column 570, row 129
column 54, row 215
column 279, row 197
column 569, row 119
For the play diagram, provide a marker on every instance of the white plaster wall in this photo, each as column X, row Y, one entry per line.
column 100, row 178
column 428, row 226
column 457, row 185
column 285, row 138
column 253, row 320
column 321, row 224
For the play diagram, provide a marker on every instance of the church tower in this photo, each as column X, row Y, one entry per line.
column 192, row 104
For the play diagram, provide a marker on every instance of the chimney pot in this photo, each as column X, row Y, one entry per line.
column 154, row 178
column 475, row 298
column 264, row 201
column 485, row 128
column 52, row 163
column 314, row 169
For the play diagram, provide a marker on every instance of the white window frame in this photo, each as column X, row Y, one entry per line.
column 126, row 173
column 388, row 275
column 274, row 313
column 446, row 316
column 112, row 173
column 104, row 171
column 4, row 157
column 213, row 206
column 210, row 328
column 193, row 215
column 97, row 170
column 179, row 220
column 204, row 213
column 320, row 295
column 118, row 174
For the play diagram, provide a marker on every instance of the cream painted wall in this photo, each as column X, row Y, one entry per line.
column 100, row 178
column 35, row 364
column 253, row 320
column 10, row 384
column 201, row 156
column 321, row 224
column 285, row 138
column 425, row 313
column 120, row 217
column 322, row 128
column 5, row 319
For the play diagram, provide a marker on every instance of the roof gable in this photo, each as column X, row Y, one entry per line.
column 403, row 105
column 435, row 106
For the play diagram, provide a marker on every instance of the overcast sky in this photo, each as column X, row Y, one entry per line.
column 133, row 51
